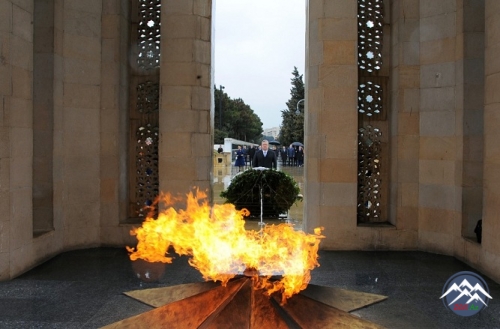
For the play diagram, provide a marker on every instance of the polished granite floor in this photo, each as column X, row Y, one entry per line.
column 84, row 288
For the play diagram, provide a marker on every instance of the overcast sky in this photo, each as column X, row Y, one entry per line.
column 257, row 44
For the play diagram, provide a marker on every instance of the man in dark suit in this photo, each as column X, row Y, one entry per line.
column 265, row 157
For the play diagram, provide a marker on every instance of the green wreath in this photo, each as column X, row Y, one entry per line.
column 279, row 192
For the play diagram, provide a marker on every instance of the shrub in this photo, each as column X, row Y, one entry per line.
column 279, row 192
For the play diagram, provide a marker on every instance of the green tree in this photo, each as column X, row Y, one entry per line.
column 237, row 119
column 292, row 125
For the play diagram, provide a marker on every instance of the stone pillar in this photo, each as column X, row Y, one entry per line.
column 331, row 120
column 186, row 83
column 16, row 136
column 114, row 121
column 491, row 214
column 77, row 127
column 441, row 131
column 405, row 113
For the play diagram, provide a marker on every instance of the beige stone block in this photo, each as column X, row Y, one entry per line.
column 438, row 51
column 21, row 143
column 343, row 217
column 110, row 26
column 340, row 52
column 436, row 242
column 492, row 8
column 491, row 32
column 5, row 266
column 408, row 147
column 109, row 191
column 82, row 180
column 176, row 97
column 438, row 27
column 20, row 259
column 77, row 142
column 411, row 53
column 204, row 122
column 180, row 121
column 338, row 76
column 202, row 145
column 89, row 6
column 339, row 194
column 438, row 196
column 21, row 113
column 22, row 23
column 110, row 50
column 21, row 53
column 490, row 260
column 340, row 9
column 438, row 220
column 201, row 98
column 315, row 55
column 202, row 8
column 491, row 148
column 21, row 223
column 110, row 119
column 82, row 47
column 437, row 123
column 203, row 170
column 5, row 17
column 109, row 144
column 338, row 170
column 411, row 100
column 83, row 72
column 437, row 148
column 410, row 9
column 179, row 74
column 341, row 122
column 437, row 172
column 82, row 96
column 180, row 50
column 407, row 218
column 438, row 75
column 82, row 225
column 5, row 174
column 202, row 51
column 407, row 171
column 430, row 8
column 178, row 26
column 340, row 147
column 81, row 22
column 169, row 145
column 491, row 58
column 492, row 86
column 22, row 81
column 409, row 77
column 409, row 194
column 112, row 7
column 340, row 100
column 437, row 99
column 408, row 123
column 204, row 29
column 178, row 8
column 86, row 121
column 204, row 75
column 338, row 29
column 109, row 97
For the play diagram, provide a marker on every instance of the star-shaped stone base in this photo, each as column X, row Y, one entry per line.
column 239, row 305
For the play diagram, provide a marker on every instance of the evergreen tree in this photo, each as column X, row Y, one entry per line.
column 237, row 119
column 292, row 125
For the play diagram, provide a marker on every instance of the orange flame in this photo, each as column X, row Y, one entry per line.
column 221, row 248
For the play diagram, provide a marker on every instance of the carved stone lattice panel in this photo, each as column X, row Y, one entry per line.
column 147, row 97
column 147, row 182
column 369, row 175
column 149, row 34
column 369, row 98
column 370, row 33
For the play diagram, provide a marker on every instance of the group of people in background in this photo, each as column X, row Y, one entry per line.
column 262, row 156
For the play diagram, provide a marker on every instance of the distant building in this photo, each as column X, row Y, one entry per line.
column 274, row 131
